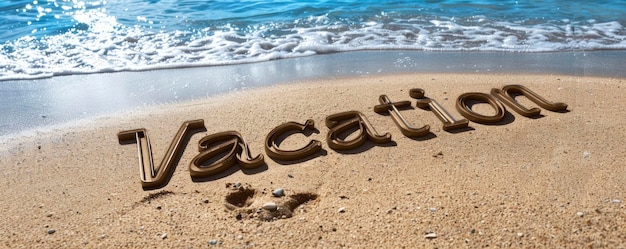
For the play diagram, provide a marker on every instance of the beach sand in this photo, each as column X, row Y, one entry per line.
column 554, row 181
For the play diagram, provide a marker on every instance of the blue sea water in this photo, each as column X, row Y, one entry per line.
column 44, row 38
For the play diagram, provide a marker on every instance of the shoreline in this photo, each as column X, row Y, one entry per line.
column 492, row 185
column 605, row 54
column 33, row 104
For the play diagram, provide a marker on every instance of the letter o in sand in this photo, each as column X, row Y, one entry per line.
column 466, row 110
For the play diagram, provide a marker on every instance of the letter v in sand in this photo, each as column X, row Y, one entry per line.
column 157, row 177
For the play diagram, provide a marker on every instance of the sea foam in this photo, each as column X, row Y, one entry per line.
column 97, row 37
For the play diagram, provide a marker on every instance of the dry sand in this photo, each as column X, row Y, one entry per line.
column 554, row 181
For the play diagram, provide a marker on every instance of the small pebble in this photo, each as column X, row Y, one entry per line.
column 163, row 236
column 580, row 214
column 586, row 154
column 212, row 242
column 239, row 216
column 431, row 235
column 270, row 206
column 51, row 231
column 520, row 235
column 617, row 201
column 433, row 209
column 341, row 210
column 239, row 237
column 290, row 175
column 278, row 192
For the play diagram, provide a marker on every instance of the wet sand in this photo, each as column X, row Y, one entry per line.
column 554, row 181
column 41, row 103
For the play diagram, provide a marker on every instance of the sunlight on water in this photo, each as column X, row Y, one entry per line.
column 50, row 37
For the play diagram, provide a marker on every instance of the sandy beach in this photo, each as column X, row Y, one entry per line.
column 555, row 181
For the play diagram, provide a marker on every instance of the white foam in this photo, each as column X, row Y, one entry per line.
column 109, row 46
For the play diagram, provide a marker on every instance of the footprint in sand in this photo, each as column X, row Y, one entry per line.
column 244, row 199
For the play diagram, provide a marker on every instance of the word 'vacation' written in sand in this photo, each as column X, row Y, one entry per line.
column 220, row 151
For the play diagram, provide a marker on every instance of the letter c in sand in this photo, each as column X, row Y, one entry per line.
column 271, row 144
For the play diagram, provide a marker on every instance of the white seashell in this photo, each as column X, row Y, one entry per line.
column 270, row 206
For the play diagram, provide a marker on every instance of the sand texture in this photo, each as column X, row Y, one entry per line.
column 558, row 180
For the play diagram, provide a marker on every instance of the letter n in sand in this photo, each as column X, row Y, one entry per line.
column 508, row 93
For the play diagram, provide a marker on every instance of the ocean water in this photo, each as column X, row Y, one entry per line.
column 45, row 38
